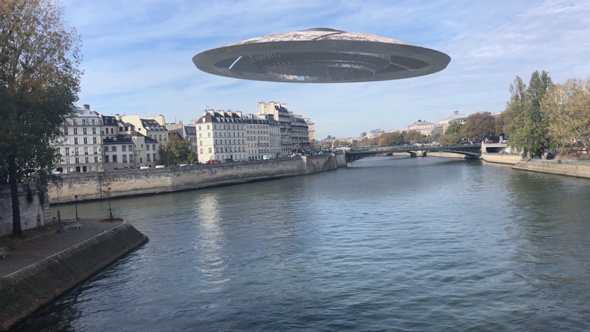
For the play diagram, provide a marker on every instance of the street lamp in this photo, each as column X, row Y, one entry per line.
column 76, row 202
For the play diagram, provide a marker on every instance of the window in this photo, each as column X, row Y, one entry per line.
column 148, row 157
column 85, row 150
column 112, row 130
column 209, row 150
column 92, row 123
column 114, row 158
column 124, row 148
column 65, row 130
column 147, row 147
column 93, row 129
column 95, row 159
column 67, row 151
column 75, row 131
column 86, row 160
column 124, row 158
column 130, row 158
column 154, row 147
column 93, row 140
column 154, row 157
column 85, row 140
column 114, row 149
column 106, row 159
column 84, row 121
column 201, row 151
column 84, row 131
column 75, row 140
column 130, row 147
column 77, row 160
column 106, row 149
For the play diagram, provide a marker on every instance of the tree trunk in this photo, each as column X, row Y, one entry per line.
column 16, row 227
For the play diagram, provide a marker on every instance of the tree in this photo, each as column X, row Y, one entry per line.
column 175, row 151
column 413, row 136
column 528, row 125
column 39, row 82
column 479, row 126
column 453, row 134
column 499, row 125
column 568, row 108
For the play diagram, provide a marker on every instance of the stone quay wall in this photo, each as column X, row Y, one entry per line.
column 32, row 214
column 95, row 185
column 559, row 167
column 501, row 158
column 31, row 288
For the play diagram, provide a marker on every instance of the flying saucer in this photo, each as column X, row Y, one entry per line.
column 321, row 55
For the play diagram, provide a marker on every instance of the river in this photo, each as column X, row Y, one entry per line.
column 388, row 244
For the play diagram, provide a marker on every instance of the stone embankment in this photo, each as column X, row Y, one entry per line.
column 97, row 185
column 559, row 167
column 59, row 263
column 501, row 158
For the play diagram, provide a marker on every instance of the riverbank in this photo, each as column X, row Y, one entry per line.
column 121, row 183
column 559, row 167
column 37, row 270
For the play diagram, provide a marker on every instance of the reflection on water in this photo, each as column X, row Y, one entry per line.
column 388, row 244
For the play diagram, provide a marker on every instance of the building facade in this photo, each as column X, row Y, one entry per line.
column 80, row 148
column 221, row 137
column 294, row 129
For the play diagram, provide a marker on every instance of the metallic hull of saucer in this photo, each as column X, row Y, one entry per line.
column 321, row 56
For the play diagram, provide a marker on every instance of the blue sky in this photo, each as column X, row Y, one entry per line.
column 138, row 56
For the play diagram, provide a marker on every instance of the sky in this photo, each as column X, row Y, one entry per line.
column 137, row 56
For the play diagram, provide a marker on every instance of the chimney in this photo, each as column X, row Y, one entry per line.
column 86, row 106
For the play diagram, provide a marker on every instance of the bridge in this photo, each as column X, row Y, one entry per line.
column 471, row 150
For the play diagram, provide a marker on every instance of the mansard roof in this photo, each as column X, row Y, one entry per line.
column 150, row 124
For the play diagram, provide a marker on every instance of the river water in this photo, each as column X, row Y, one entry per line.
column 388, row 244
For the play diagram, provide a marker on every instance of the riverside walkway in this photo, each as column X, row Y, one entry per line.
column 39, row 244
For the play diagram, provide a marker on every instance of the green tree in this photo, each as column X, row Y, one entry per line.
column 528, row 125
column 39, row 82
column 387, row 139
column 175, row 151
column 413, row 136
column 568, row 108
column 479, row 126
column 499, row 125
column 453, row 134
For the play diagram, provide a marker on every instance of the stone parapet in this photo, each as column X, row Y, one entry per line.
column 559, row 167
column 95, row 185
column 30, row 288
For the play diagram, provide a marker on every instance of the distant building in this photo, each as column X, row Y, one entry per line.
column 152, row 127
column 455, row 117
column 80, row 147
column 375, row 133
column 423, row 127
column 221, row 137
column 294, row 128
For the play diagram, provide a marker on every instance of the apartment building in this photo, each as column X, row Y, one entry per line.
column 294, row 129
column 221, row 137
column 262, row 137
column 80, row 147
column 152, row 127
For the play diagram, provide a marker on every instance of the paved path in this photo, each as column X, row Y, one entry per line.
column 36, row 249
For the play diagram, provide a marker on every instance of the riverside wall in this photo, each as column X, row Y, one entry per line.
column 501, row 158
column 559, row 167
column 120, row 183
column 33, row 213
column 31, row 288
